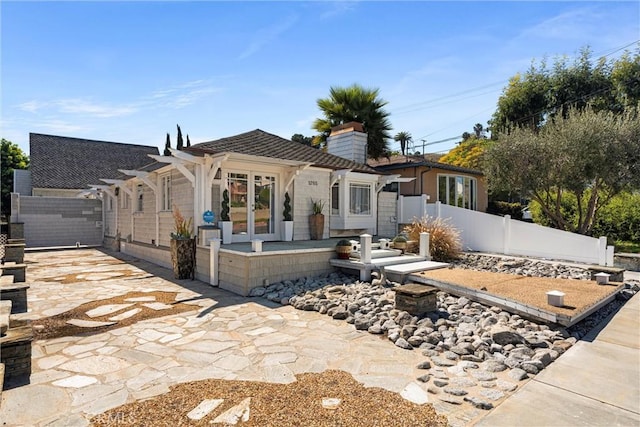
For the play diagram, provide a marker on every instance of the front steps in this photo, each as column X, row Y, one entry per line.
column 372, row 257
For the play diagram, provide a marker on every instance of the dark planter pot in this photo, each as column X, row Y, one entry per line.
column 343, row 252
column 183, row 258
column 316, row 226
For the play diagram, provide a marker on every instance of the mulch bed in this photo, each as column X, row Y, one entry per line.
column 279, row 405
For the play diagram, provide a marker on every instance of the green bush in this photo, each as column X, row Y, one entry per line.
column 619, row 219
column 505, row 208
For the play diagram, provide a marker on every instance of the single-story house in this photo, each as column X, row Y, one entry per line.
column 257, row 169
column 449, row 184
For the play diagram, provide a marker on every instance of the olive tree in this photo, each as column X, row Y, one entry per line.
column 588, row 156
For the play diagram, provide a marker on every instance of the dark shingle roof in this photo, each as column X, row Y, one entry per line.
column 64, row 162
column 402, row 162
column 260, row 143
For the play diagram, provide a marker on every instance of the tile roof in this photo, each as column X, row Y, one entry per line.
column 65, row 162
column 402, row 162
column 260, row 143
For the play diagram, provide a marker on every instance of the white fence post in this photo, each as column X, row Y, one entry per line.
column 214, row 251
column 438, row 205
column 424, row 245
column 602, row 251
column 506, row 234
column 423, row 206
column 610, row 250
column 365, row 248
column 400, row 211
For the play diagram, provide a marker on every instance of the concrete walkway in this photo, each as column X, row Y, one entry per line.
column 595, row 383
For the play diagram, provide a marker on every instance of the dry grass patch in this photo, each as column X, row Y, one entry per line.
column 279, row 405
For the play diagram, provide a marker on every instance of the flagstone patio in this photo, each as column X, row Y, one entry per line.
column 225, row 336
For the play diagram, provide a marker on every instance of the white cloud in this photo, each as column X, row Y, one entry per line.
column 339, row 7
column 89, row 108
column 576, row 24
column 32, row 106
column 268, row 35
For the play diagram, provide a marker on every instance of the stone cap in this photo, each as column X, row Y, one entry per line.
column 415, row 289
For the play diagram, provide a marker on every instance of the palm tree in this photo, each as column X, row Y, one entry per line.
column 403, row 138
column 359, row 104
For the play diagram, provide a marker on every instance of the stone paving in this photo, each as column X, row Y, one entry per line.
column 225, row 337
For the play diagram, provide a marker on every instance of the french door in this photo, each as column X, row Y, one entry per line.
column 252, row 201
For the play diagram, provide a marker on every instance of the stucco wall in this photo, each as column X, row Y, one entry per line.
column 427, row 183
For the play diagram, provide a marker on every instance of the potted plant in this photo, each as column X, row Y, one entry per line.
column 343, row 249
column 288, row 220
column 183, row 247
column 225, row 222
column 400, row 242
column 316, row 219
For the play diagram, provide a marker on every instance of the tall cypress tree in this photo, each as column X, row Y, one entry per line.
column 167, row 145
column 188, row 142
column 180, row 143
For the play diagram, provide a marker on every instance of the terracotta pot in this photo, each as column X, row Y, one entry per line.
column 316, row 226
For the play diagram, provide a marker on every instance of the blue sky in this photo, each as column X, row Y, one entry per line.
column 129, row 72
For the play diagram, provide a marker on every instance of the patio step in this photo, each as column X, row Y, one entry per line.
column 399, row 272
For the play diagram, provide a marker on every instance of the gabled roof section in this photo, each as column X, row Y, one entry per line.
column 403, row 162
column 75, row 163
column 260, row 143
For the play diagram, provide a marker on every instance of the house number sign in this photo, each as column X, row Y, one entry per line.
column 313, row 183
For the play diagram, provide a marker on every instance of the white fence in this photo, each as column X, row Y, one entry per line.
column 491, row 233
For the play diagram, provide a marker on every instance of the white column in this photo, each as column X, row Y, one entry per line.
column 610, row 250
column 424, row 245
column 157, row 193
column 214, row 250
column 365, row 248
column 399, row 211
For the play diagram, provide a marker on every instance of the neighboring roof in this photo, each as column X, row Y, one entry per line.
column 75, row 163
column 403, row 162
column 260, row 143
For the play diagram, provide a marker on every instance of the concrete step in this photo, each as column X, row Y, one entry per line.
column 414, row 267
column 399, row 272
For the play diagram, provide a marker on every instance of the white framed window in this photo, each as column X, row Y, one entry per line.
column 139, row 198
column 109, row 203
column 458, row 190
column 165, row 192
column 359, row 199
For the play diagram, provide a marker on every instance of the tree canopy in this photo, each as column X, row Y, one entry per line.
column 467, row 154
column 590, row 156
column 306, row 140
column 543, row 93
column 359, row 104
column 11, row 157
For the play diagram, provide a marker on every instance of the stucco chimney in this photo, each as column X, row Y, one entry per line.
column 348, row 141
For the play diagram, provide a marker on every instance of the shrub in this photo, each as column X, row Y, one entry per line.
column 619, row 219
column 505, row 208
column 444, row 239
